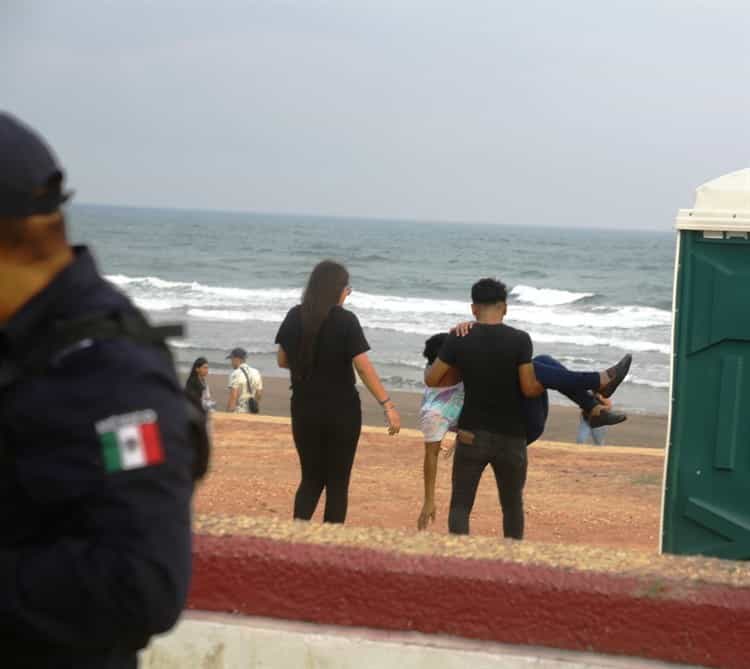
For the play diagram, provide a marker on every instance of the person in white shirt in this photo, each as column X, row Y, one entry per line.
column 245, row 384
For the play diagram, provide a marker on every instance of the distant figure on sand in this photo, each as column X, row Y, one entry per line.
column 197, row 386
column 495, row 363
column 245, row 384
column 318, row 342
column 442, row 405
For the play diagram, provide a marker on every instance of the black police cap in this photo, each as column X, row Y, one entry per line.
column 30, row 178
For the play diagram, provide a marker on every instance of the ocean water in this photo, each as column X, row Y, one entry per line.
column 586, row 296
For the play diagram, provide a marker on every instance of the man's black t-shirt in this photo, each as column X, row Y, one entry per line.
column 340, row 339
column 488, row 359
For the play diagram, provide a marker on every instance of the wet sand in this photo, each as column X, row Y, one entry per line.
column 646, row 430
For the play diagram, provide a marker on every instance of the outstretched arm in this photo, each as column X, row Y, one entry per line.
column 370, row 378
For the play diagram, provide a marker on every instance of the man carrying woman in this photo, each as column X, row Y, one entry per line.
column 496, row 423
column 321, row 344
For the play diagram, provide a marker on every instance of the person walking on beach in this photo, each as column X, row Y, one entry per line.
column 321, row 343
column 495, row 363
column 96, row 457
column 441, row 407
column 245, row 384
column 197, row 387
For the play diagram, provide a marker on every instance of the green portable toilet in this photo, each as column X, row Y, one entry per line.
column 706, row 500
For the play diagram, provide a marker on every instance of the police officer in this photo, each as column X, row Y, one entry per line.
column 95, row 454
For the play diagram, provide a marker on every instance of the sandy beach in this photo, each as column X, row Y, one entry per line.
column 644, row 430
column 605, row 496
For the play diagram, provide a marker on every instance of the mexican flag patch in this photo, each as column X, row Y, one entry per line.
column 130, row 441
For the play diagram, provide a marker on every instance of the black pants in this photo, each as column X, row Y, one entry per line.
column 507, row 457
column 326, row 441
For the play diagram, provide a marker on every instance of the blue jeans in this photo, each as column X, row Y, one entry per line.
column 553, row 375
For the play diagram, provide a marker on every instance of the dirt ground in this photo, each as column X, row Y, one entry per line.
column 607, row 497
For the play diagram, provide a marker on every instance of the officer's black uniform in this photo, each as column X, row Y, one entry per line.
column 93, row 560
column 91, row 563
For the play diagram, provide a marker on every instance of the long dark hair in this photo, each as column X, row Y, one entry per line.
column 194, row 385
column 322, row 293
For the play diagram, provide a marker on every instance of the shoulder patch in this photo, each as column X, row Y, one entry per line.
column 130, row 441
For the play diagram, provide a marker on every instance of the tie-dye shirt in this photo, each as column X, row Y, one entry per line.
column 447, row 401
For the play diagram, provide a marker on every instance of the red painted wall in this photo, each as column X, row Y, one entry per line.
column 479, row 599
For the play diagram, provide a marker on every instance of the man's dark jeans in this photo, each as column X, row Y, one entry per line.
column 507, row 457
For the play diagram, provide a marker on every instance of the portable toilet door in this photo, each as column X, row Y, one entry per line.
column 706, row 499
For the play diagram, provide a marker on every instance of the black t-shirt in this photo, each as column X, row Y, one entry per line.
column 488, row 359
column 340, row 339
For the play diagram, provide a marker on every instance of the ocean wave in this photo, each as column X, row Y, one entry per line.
column 155, row 304
column 402, row 362
column 181, row 343
column 157, row 294
column 628, row 317
column 629, row 327
column 546, row 297
column 640, row 381
column 180, row 294
column 586, row 341
column 233, row 316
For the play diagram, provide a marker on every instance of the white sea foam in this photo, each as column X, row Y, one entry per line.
column 632, row 345
column 640, row 381
column 155, row 304
column 629, row 317
column 182, row 294
column 235, row 316
column 629, row 327
column 546, row 297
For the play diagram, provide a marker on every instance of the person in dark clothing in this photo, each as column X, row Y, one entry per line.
column 321, row 343
column 495, row 362
column 196, row 386
column 95, row 453
column 441, row 408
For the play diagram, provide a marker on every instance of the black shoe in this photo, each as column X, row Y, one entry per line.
column 605, row 417
column 616, row 375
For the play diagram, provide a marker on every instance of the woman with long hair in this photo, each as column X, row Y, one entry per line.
column 197, row 384
column 321, row 343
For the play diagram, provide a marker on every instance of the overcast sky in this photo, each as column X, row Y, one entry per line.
column 575, row 112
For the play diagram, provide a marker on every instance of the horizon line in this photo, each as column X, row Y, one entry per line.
column 361, row 217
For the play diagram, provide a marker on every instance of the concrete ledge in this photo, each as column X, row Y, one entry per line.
column 685, row 610
column 220, row 641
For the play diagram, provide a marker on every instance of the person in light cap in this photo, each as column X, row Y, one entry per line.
column 245, row 384
column 96, row 459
